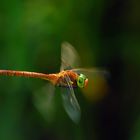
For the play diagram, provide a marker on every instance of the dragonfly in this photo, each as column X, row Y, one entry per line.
column 67, row 79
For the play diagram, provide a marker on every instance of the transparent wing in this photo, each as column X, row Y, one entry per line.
column 69, row 56
column 44, row 103
column 70, row 102
column 92, row 71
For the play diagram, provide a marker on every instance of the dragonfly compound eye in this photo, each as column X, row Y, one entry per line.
column 81, row 80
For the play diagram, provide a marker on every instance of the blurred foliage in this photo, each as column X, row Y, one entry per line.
column 105, row 33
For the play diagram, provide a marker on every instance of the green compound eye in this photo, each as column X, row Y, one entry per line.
column 81, row 80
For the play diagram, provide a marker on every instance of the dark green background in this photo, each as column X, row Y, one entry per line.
column 105, row 33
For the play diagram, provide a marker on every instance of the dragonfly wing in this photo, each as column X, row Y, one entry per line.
column 70, row 102
column 92, row 72
column 44, row 103
column 69, row 56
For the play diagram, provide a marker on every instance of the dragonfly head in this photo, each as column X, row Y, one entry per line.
column 82, row 81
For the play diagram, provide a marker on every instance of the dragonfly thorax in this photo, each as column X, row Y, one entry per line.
column 67, row 77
